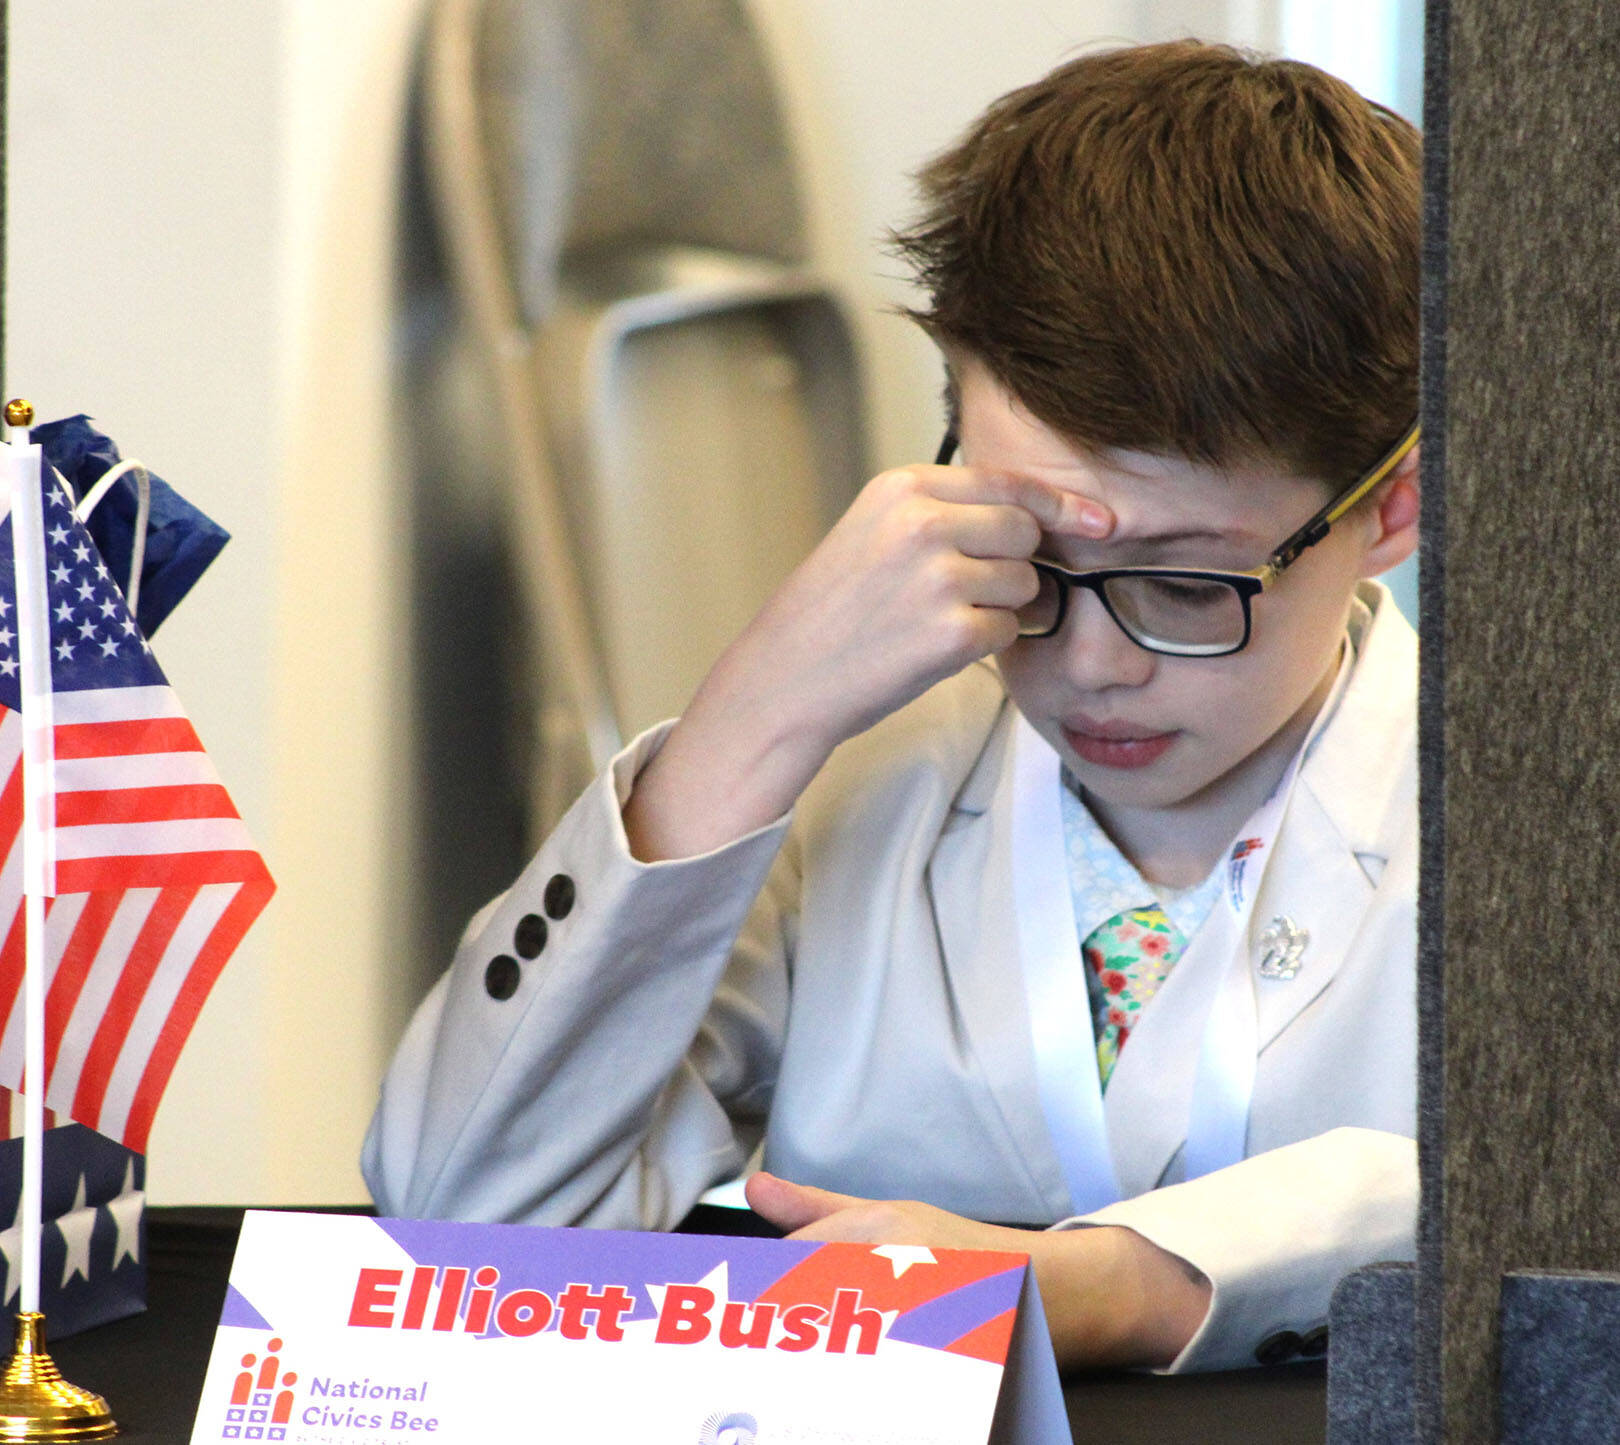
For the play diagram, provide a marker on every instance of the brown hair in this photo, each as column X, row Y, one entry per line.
column 1182, row 248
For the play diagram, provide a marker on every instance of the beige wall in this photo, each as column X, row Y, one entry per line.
column 200, row 210
column 199, row 218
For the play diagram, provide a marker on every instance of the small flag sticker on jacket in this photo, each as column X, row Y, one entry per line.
column 156, row 880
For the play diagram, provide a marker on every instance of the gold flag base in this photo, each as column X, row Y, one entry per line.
column 36, row 1403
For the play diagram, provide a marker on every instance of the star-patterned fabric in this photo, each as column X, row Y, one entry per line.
column 91, row 1264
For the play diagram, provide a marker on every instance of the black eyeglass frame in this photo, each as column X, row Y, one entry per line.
column 1247, row 584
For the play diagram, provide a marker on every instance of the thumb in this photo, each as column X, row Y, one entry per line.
column 791, row 1206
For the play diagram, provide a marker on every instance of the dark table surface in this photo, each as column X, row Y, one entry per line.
column 150, row 1367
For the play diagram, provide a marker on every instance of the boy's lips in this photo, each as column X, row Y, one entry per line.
column 1115, row 744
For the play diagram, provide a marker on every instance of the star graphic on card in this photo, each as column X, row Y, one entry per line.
column 76, row 1227
column 902, row 1256
column 717, row 1280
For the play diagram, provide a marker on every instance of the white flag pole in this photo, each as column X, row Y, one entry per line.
column 34, row 675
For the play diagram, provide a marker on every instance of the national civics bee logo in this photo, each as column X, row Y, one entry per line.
column 261, row 1398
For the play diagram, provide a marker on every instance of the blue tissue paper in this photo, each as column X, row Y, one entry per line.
column 180, row 540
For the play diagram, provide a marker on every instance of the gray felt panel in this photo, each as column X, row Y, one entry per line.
column 1532, row 667
column 1431, row 731
column 1369, row 1390
column 1560, row 1381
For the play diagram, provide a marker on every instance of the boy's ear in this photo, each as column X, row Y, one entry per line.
column 1393, row 509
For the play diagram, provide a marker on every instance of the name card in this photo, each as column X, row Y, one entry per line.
column 345, row 1330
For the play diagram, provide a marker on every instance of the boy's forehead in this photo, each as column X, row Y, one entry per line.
column 1169, row 510
column 1155, row 497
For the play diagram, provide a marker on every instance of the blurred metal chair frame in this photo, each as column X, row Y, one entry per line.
column 558, row 279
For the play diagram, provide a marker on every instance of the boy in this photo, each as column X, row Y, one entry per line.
column 1116, row 931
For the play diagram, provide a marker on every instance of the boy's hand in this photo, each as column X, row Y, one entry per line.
column 921, row 576
column 1112, row 1298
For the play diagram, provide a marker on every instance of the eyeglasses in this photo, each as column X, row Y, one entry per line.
column 1182, row 611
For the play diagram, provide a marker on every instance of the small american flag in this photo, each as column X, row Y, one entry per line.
column 156, row 880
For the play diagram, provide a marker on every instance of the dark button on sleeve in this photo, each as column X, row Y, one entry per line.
column 1314, row 1345
column 559, row 896
column 502, row 976
column 1275, row 1349
column 529, row 937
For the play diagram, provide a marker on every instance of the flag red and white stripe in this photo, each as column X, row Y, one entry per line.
column 157, row 882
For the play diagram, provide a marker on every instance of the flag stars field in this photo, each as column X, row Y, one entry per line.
column 77, row 572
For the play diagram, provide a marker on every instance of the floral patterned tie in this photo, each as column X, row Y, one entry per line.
column 1127, row 958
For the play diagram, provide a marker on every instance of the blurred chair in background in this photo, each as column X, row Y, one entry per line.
column 677, row 395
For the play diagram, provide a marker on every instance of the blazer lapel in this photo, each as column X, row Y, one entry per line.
column 1314, row 881
column 970, row 885
column 1318, row 885
column 1348, row 807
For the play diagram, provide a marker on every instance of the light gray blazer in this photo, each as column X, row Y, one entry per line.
column 845, row 984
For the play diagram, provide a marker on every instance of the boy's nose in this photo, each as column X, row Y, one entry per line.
column 1096, row 652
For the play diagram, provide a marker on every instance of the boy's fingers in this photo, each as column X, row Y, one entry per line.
column 1060, row 511
column 792, row 1206
column 994, row 529
column 1068, row 513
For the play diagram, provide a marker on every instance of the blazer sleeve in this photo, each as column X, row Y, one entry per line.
column 1275, row 1233
column 611, row 1077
